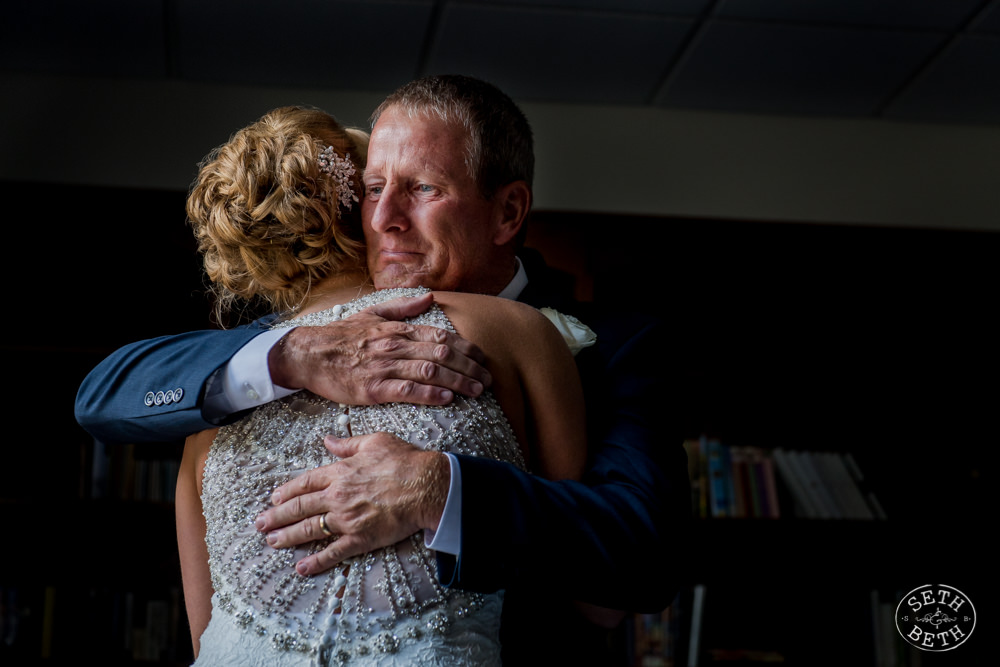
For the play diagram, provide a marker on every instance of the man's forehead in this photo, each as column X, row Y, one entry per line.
column 418, row 121
column 422, row 142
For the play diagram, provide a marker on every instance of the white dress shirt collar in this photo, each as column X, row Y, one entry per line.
column 517, row 283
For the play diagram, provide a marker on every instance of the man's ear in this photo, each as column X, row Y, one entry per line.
column 513, row 201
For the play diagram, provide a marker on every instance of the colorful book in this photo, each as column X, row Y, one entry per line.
column 742, row 505
column 764, row 483
column 720, row 499
column 697, row 467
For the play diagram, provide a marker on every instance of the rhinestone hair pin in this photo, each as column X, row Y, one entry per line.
column 341, row 168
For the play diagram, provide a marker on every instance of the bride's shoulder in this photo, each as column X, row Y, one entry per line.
column 488, row 308
column 500, row 326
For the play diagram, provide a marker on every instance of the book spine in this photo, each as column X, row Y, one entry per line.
column 804, row 505
column 814, row 486
column 719, row 483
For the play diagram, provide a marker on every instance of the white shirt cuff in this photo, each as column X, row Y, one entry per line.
column 448, row 536
column 245, row 378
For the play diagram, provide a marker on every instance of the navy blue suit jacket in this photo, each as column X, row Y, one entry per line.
column 616, row 538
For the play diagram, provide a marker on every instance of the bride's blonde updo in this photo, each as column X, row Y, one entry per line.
column 271, row 223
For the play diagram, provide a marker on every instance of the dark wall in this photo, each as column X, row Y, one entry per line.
column 86, row 270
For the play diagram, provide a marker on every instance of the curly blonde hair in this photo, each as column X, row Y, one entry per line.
column 267, row 219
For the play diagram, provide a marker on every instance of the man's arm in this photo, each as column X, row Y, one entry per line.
column 614, row 539
column 153, row 391
column 617, row 537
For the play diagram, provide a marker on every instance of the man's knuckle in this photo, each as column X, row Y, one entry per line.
column 340, row 496
column 406, row 388
column 387, row 345
column 427, row 370
column 442, row 352
column 296, row 506
column 393, row 328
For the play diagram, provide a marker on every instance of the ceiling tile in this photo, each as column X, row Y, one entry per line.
column 926, row 14
column 778, row 68
column 322, row 43
column 99, row 38
column 826, row 57
column 988, row 20
column 672, row 7
column 962, row 85
column 556, row 56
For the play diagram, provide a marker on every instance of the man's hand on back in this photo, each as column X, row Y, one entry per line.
column 380, row 491
column 372, row 357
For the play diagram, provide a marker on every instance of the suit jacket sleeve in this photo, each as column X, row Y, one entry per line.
column 617, row 537
column 151, row 391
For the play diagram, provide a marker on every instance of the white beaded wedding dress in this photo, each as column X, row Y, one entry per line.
column 384, row 608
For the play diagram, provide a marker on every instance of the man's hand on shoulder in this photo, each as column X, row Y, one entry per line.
column 374, row 357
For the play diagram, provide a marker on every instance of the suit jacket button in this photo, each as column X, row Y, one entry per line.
column 148, row 400
column 158, row 399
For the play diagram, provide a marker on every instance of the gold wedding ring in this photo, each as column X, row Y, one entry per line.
column 323, row 526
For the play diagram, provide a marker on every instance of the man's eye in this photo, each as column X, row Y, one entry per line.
column 423, row 187
column 373, row 190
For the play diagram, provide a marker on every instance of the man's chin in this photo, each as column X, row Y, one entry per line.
column 399, row 277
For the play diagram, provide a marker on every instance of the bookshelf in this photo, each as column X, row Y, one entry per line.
column 878, row 342
column 90, row 571
column 873, row 342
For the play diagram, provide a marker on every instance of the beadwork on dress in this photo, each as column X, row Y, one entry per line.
column 383, row 604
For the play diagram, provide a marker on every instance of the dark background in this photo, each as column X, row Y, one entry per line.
column 803, row 332
column 878, row 341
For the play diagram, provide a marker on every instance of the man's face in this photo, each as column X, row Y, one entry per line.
column 425, row 220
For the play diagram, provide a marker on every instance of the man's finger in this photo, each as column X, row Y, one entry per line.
column 447, row 348
column 428, row 383
column 291, row 511
column 398, row 309
column 308, row 482
column 334, row 553
column 408, row 391
column 342, row 447
column 301, row 532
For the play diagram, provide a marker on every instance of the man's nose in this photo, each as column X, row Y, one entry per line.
column 389, row 212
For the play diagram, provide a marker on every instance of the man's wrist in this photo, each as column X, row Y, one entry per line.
column 244, row 382
column 433, row 483
column 278, row 367
column 448, row 536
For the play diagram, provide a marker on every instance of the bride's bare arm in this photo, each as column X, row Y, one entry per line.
column 553, row 408
column 536, row 380
column 191, row 529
